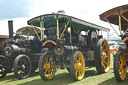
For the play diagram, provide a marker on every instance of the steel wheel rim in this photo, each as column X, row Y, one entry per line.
column 122, row 69
column 48, row 67
column 79, row 66
column 23, row 67
column 105, row 56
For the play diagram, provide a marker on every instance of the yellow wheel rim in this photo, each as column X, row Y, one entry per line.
column 79, row 66
column 105, row 56
column 48, row 67
column 122, row 69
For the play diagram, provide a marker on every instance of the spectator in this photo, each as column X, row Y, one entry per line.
column 114, row 53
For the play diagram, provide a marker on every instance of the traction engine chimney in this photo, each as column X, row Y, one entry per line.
column 10, row 26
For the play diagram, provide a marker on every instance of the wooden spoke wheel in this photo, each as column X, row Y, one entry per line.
column 22, row 66
column 47, row 66
column 77, row 66
column 102, row 56
column 120, row 67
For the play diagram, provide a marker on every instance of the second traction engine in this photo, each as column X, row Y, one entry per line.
column 22, row 53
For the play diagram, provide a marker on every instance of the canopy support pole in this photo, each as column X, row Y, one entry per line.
column 36, row 32
column 70, row 35
column 57, row 29
column 42, row 31
column 64, row 29
column 120, row 24
column 112, row 27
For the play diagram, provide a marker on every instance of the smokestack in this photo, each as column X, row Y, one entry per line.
column 10, row 26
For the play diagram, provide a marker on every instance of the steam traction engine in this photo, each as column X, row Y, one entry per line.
column 21, row 54
column 72, row 44
column 119, row 17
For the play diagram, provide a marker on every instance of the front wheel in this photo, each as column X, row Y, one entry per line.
column 22, row 66
column 120, row 66
column 47, row 66
column 77, row 66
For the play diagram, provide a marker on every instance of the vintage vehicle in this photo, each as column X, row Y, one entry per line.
column 72, row 44
column 119, row 17
column 22, row 52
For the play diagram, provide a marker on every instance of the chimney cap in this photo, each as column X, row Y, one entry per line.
column 61, row 12
column 10, row 20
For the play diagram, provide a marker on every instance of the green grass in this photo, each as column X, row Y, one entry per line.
column 62, row 77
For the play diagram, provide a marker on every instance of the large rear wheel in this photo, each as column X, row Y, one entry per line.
column 102, row 56
column 22, row 66
column 47, row 66
column 120, row 66
column 77, row 66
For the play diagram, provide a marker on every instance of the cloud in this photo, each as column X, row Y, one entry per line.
column 22, row 10
column 15, row 9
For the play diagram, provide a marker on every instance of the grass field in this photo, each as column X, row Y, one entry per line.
column 62, row 77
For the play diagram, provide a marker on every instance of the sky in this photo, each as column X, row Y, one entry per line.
column 20, row 11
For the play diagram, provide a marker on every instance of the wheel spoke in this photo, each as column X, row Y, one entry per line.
column 105, row 62
column 104, row 66
column 45, row 72
column 46, row 59
column 22, row 61
column 49, row 71
column 104, row 50
column 20, row 73
column 79, row 59
column 76, row 61
column 121, row 70
column 19, row 67
column 76, row 73
column 122, row 73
